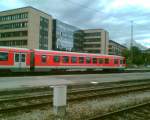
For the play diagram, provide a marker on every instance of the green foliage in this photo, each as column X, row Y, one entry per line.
column 135, row 56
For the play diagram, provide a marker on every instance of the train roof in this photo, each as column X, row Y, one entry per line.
column 77, row 53
column 59, row 51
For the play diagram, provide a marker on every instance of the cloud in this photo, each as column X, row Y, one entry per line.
column 124, row 4
column 10, row 4
column 144, row 42
column 114, row 15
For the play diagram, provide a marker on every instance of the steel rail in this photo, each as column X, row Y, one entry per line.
column 117, row 112
column 72, row 92
column 80, row 97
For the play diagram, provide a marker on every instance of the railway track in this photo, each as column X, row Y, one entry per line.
column 34, row 101
column 108, row 116
column 75, row 89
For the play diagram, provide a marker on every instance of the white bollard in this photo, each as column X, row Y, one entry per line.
column 60, row 100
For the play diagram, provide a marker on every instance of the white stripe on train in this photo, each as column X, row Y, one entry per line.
column 101, row 67
column 10, row 66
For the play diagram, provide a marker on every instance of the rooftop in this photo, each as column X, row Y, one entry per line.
column 27, row 7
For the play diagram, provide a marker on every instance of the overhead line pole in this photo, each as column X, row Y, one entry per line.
column 131, row 42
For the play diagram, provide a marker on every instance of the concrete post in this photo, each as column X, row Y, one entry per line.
column 60, row 100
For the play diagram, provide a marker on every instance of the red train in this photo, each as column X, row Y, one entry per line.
column 21, row 59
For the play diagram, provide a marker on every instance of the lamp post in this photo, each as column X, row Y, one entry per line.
column 131, row 42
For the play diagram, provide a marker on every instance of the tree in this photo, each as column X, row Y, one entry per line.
column 134, row 56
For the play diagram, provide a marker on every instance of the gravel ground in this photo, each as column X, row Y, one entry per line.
column 90, row 108
column 85, row 109
column 138, row 114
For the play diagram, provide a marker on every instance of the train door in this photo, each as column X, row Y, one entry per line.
column 20, row 60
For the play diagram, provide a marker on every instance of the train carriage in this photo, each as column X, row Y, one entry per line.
column 21, row 59
column 14, row 59
column 45, row 60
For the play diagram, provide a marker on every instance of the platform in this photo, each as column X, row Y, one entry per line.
column 40, row 81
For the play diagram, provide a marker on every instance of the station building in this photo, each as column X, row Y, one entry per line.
column 115, row 48
column 26, row 28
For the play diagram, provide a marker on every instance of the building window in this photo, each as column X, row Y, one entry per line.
column 94, row 51
column 81, row 59
column 44, row 58
column 65, row 59
column 13, row 25
column 3, row 56
column 88, row 60
column 43, row 41
column 93, row 40
column 74, row 59
column 13, row 34
column 94, row 60
column 14, row 17
column 93, row 34
column 56, row 59
column 13, row 43
column 24, row 33
column 106, row 61
column 91, row 45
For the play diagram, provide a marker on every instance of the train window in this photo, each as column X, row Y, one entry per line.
column 124, row 61
column 81, row 59
column 56, row 58
column 65, row 59
column 44, row 58
column 74, row 59
column 115, row 61
column 23, row 58
column 100, row 60
column 3, row 56
column 106, row 61
column 94, row 60
column 17, row 58
column 88, row 60
column 121, row 61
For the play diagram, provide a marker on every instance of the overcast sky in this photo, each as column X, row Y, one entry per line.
column 113, row 15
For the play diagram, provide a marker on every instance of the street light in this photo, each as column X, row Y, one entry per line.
column 131, row 42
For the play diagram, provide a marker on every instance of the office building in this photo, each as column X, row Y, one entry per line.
column 66, row 37
column 26, row 28
column 31, row 28
column 96, row 41
column 115, row 48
